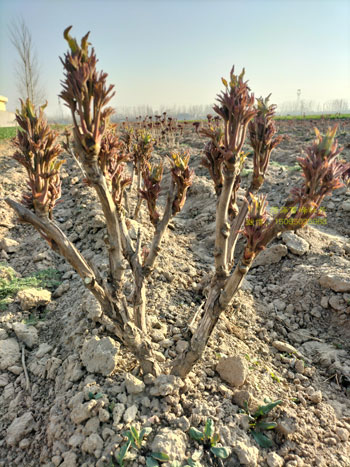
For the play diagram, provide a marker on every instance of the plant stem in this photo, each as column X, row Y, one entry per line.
column 222, row 224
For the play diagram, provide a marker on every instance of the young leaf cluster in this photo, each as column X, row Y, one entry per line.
column 209, row 439
column 258, row 424
column 37, row 150
column 135, row 440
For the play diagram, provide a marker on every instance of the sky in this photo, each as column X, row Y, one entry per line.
column 174, row 52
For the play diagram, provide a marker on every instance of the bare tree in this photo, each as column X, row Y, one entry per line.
column 27, row 69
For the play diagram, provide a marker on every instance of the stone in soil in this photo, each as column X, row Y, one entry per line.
column 32, row 298
column 271, row 255
column 26, row 334
column 19, row 428
column 335, row 282
column 297, row 245
column 61, row 289
column 9, row 353
column 133, row 384
column 100, row 355
column 316, row 397
column 337, row 303
column 165, row 385
column 93, row 443
column 118, row 411
column 9, row 245
column 285, row 347
column 82, row 412
column 130, row 414
column 171, row 442
column 233, row 370
column 92, row 307
column 247, row 455
column 274, row 460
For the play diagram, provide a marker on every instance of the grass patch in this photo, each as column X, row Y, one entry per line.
column 7, row 132
column 11, row 131
column 246, row 172
column 295, row 168
column 10, row 283
column 35, row 318
column 277, row 164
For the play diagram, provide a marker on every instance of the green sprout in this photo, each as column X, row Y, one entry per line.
column 189, row 463
column 257, row 424
column 209, row 440
column 97, row 396
column 35, row 318
column 135, row 440
column 275, row 377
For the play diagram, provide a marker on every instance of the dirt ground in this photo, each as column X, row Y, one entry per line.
column 289, row 326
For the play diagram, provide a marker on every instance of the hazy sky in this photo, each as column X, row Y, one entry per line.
column 174, row 52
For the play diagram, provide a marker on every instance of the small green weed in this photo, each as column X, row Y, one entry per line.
column 35, row 318
column 253, row 362
column 276, row 378
column 135, row 440
column 209, row 439
column 294, row 168
column 277, row 164
column 4, row 302
column 257, row 424
column 111, row 407
column 220, row 355
column 97, row 396
column 188, row 463
column 246, row 172
column 10, row 283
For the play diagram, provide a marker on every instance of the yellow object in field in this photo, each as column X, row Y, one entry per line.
column 3, row 101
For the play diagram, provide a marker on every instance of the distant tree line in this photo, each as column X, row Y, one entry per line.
column 198, row 112
column 309, row 107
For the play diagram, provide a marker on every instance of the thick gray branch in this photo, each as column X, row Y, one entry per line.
column 60, row 243
column 116, row 317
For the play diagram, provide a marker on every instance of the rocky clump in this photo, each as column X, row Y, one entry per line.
column 172, row 442
column 285, row 347
column 32, row 298
column 26, row 334
column 247, row 455
column 133, row 384
column 19, row 428
column 271, row 255
column 297, row 245
column 82, row 412
column 274, row 460
column 9, row 353
column 335, row 282
column 92, row 307
column 100, row 355
column 233, row 370
column 9, row 245
column 165, row 385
